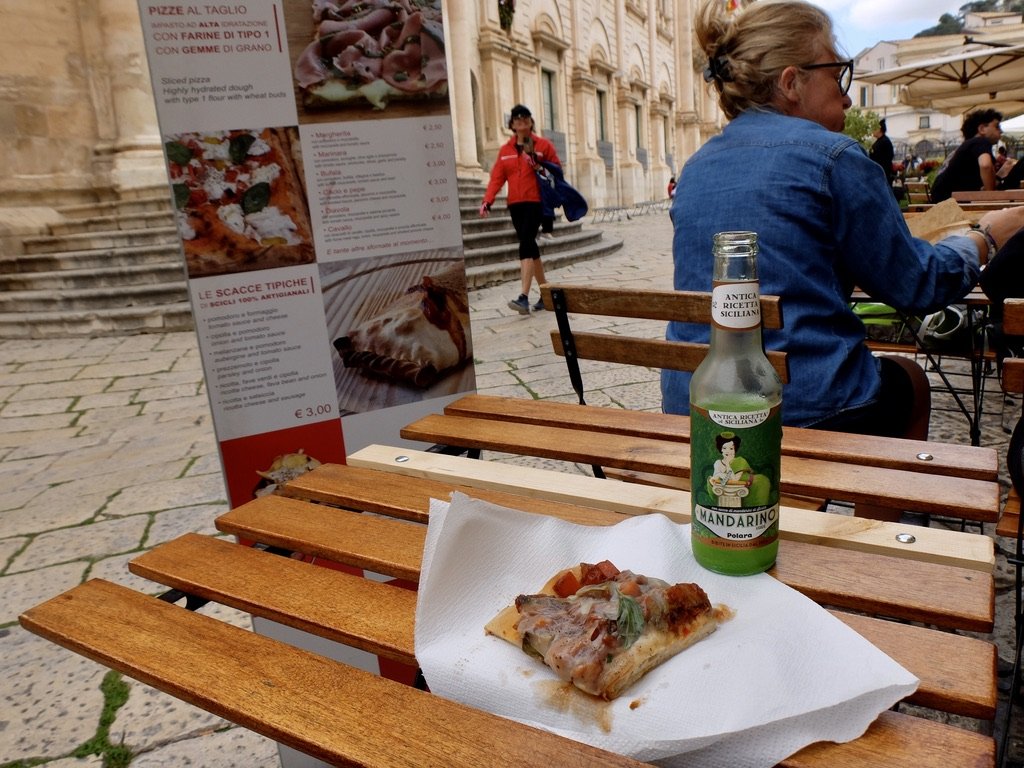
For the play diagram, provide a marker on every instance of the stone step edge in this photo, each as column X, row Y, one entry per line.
column 126, row 270
column 112, row 233
column 485, row 275
column 94, row 293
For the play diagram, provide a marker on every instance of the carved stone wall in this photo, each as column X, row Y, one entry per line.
column 79, row 124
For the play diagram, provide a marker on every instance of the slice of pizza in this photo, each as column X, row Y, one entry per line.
column 418, row 338
column 603, row 629
column 239, row 200
column 373, row 51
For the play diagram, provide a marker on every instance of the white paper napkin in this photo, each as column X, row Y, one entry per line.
column 783, row 673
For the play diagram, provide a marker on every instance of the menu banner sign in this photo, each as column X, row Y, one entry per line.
column 311, row 161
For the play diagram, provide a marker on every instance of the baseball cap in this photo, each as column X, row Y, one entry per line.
column 520, row 111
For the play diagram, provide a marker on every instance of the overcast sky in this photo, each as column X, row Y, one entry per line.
column 862, row 23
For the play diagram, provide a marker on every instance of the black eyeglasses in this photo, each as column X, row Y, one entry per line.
column 845, row 76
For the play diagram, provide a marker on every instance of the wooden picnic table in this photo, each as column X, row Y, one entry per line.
column 908, row 598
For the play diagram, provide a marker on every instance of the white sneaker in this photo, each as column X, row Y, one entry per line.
column 546, row 236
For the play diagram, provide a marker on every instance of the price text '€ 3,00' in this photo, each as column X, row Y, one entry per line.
column 324, row 409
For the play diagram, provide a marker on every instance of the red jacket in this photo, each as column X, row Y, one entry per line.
column 514, row 168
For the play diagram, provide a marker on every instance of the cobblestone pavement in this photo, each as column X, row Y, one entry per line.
column 107, row 449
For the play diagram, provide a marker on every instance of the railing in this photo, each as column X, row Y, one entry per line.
column 618, row 213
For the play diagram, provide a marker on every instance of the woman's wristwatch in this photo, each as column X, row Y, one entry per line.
column 990, row 242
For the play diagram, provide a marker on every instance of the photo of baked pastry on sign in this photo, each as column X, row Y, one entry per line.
column 400, row 329
column 370, row 53
column 239, row 200
column 417, row 338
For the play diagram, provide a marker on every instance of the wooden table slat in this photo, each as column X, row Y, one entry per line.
column 339, row 606
column 901, row 489
column 957, row 673
column 318, row 706
column 530, row 489
column 894, row 453
column 918, row 591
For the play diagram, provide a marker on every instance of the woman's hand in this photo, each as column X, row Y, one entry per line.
column 485, row 210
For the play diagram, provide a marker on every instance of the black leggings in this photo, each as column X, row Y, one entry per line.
column 526, row 219
column 887, row 416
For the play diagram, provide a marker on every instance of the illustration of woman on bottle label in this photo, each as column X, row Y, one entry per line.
column 733, row 481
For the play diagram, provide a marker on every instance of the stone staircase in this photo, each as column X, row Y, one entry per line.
column 112, row 268
column 116, row 268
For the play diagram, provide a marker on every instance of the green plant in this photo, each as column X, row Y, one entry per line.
column 115, row 695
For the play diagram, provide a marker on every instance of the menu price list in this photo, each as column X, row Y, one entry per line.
column 381, row 188
column 262, row 352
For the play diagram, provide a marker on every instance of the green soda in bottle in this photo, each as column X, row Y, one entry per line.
column 735, row 424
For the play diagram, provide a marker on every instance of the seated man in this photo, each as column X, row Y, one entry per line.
column 971, row 167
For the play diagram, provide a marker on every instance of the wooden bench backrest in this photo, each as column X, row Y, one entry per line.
column 917, row 192
column 987, row 196
column 1013, row 325
column 678, row 306
column 1013, row 381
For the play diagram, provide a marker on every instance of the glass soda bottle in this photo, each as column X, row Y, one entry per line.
column 735, row 423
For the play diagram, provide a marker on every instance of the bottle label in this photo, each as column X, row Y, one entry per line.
column 736, row 306
column 734, row 477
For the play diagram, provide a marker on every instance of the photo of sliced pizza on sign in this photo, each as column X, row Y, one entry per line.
column 239, row 200
column 372, row 53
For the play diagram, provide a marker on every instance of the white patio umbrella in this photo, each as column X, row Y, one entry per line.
column 977, row 77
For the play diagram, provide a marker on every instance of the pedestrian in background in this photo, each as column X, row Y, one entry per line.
column 882, row 151
column 517, row 166
column 971, row 167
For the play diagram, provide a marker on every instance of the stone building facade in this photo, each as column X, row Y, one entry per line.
column 612, row 82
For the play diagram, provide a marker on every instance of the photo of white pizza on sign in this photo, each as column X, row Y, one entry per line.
column 372, row 52
column 239, row 201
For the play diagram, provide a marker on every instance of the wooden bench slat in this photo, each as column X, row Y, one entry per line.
column 682, row 306
column 957, row 673
column 318, row 706
column 339, row 606
column 1013, row 318
column 336, row 485
column 1009, row 520
column 893, row 453
column 900, row 489
column 650, row 353
column 887, row 586
column 1013, row 374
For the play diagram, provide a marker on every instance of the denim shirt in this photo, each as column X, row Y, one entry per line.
column 826, row 222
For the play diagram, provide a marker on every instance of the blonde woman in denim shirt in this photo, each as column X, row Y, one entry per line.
column 825, row 217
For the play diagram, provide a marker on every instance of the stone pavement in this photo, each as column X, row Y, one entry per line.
column 107, row 449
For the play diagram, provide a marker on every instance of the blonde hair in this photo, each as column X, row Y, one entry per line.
column 747, row 51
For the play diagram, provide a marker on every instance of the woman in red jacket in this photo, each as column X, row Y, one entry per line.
column 517, row 159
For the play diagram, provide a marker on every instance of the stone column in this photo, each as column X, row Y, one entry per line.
column 129, row 154
column 460, row 39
